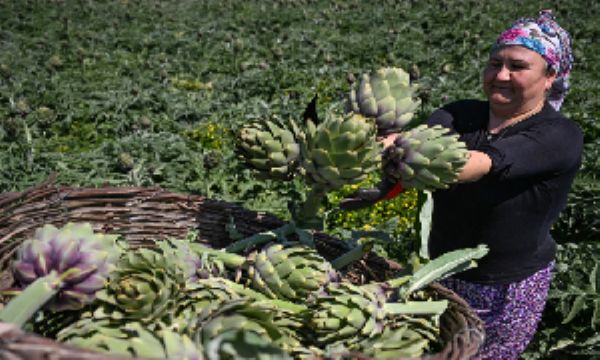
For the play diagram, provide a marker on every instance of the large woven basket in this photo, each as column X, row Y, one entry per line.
column 142, row 215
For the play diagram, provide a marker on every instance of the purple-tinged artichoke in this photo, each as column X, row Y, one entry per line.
column 60, row 268
column 82, row 259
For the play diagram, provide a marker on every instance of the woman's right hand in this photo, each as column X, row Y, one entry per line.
column 388, row 140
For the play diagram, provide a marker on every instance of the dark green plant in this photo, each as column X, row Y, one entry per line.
column 571, row 321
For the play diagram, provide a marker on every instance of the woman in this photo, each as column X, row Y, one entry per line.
column 524, row 155
column 523, row 158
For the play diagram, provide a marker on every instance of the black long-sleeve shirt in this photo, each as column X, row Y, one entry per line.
column 512, row 208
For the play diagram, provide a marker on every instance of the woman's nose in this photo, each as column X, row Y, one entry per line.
column 503, row 73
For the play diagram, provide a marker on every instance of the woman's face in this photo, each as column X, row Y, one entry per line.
column 515, row 80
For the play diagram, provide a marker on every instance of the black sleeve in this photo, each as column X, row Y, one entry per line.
column 462, row 117
column 551, row 146
column 441, row 117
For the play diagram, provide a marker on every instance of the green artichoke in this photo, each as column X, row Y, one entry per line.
column 205, row 297
column 387, row 96
column 346, row 312
column 340, row 150
column 180, row 347
column 129, row 339
column 114, row 337
column 146, row 286
column 396, row 342
column 257, row 318
column 81, row 259
column 195, row 267
column 240, row 344
column 293, row 273
column 425, row 157
column 287, row 272
column 270, row 148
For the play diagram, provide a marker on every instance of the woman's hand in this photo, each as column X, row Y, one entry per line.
column 388, row 139
column 478, row 165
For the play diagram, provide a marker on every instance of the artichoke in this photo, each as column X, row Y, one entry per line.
column 145, row 287
column 80, row 259
column 270, row 148
column 204, row 297
column 258, row 320
column 180, row 347
column 293, row 273
column 339, row 151
column 242, row 344
column 195, row 267
column 128, row 339
column 387, row 96
column 346, row 312
column 287, row 272
column 396, row 342
column 425, row 158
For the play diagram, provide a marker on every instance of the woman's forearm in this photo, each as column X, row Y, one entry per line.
column 478, row 165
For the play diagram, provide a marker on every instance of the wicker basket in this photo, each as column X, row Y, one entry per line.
column 141, row 215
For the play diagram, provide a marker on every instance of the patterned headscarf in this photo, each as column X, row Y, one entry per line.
column 544, row 36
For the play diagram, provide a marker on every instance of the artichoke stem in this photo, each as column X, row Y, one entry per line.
column 308, row 213
column 351, row 256
column 22, row 307
column 230, row 260
column 285, row 305
column 399, row 281
column 416, row 307
column 261, row 238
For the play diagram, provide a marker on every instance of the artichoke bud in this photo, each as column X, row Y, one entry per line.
column 345, row 313
column 84, row 258
column 387, row 96
column 258, row 319
column 337, row 148
column 425, row 158
column 146, row 285
column 294, row 272
column 114, row 337
column 270, row 147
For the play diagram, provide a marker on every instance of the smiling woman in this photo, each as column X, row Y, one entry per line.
column 524, row 155
column 515, row 82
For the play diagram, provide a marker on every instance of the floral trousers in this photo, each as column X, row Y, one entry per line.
column 511, row 312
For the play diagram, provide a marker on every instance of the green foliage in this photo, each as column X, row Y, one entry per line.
column 390, row 222
column 402, row 207
column 571, row 321
column 580, row 220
